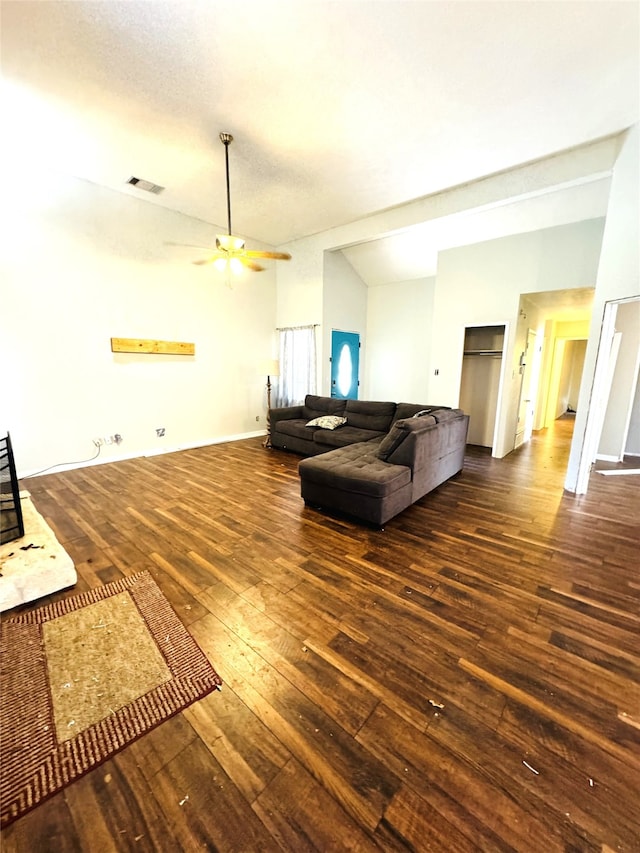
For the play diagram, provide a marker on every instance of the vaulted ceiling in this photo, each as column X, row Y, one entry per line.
column 338, row 109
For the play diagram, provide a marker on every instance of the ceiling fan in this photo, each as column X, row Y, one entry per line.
column 230, row 253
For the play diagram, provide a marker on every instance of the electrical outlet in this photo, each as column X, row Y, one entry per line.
column 107, row 439
column 257, row 418
column 160, row 432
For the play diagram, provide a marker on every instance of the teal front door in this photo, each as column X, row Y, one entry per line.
column 345, row 363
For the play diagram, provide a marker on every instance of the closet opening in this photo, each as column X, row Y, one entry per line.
column 481, row 381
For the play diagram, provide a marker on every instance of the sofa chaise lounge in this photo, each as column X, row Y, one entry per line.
column 369, row 459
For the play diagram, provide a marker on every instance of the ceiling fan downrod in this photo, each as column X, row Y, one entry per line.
column 226, row 139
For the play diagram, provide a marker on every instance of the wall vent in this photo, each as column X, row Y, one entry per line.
column 149, row 187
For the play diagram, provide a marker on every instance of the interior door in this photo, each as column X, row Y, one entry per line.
column 528, row 390
column 345, row 364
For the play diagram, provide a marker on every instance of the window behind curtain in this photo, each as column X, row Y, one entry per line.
column 297, row 365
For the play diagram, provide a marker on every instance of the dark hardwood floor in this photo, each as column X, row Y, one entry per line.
column 465, row 679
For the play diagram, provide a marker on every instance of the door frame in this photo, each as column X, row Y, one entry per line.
column 600, row 387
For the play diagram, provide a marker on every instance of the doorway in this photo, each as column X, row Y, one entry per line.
column 480, row 382
column 605, row 372
column 565, row 377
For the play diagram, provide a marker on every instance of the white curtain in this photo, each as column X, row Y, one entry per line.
column 297, row 365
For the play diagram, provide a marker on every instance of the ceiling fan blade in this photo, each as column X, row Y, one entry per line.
column 189, row 246
column 210, row 260
column 252, row 265
column 277, row 256
column 231, row 257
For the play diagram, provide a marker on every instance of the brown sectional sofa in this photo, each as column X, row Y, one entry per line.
column 384, row 458
column 365, row 420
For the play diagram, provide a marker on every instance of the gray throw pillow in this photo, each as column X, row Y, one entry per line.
column 392, row 440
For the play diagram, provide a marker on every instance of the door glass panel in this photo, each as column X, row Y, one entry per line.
column 345, row 371
column 345, row 363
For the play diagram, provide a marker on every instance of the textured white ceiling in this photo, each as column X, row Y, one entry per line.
column 413, row 253
column 339, row 109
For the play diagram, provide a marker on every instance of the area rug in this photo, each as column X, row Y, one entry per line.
column 82, row 678
column 34, row 565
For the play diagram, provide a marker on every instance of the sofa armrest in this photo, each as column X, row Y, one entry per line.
column 429, row 438
column 285, row 413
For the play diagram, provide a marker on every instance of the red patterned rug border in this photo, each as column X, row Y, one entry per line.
column 52, row 769
column 77, row 602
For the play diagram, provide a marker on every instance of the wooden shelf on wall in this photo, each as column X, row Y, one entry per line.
column 154, row 347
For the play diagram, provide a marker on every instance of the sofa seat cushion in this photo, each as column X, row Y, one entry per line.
column 344, row 436
column 296, row 427
column 357, row 470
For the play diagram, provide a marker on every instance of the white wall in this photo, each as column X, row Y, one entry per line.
column 300, row 294
column 618, row 278
column 82, row 264
column 344, row 309
column 299, row 301
column 481, row 285
column 399, row 320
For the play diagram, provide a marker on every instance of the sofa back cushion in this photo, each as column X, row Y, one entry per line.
column 316, row 406
column 369, row 414
column 413, row 410
column 443, row 415
column 392, row 440
column 398, row 446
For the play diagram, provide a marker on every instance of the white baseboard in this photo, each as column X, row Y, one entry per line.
column 207, row 443
column 121, row 457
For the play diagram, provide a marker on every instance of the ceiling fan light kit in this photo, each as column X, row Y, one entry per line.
column 231, row 263
column 230, row 253
column 229, row 243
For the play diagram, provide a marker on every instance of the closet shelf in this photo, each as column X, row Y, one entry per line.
column 483, row 352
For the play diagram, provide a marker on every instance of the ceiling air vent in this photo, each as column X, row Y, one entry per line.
column 140, row 184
